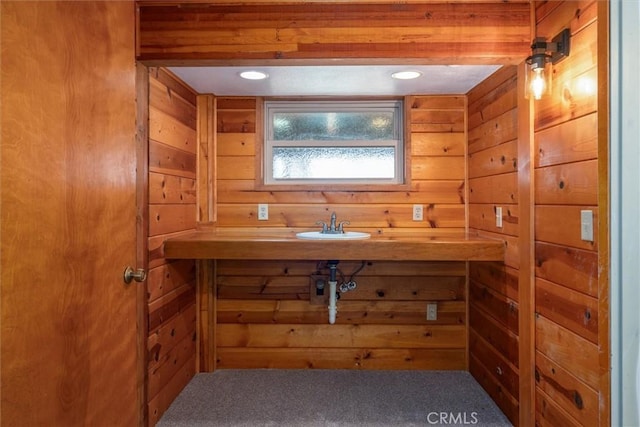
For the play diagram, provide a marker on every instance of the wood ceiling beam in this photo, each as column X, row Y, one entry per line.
column 316, row 33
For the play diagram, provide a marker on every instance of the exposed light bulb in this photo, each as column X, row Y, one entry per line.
column 538, row 84
column 538, row 76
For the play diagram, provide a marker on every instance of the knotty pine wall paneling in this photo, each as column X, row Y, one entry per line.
column 171, row 289
column 493, row 286
column 265, row 318
column 570, row 288
column 568, row 284
column 267, row 312
column 437, row 132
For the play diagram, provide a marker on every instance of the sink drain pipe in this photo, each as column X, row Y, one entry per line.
column 333, row 292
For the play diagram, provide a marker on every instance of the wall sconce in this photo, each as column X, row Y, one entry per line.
column 538, row 75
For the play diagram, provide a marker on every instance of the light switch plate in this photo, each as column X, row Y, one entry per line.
column 263, row 212
column 586, row 225
column 499, row 216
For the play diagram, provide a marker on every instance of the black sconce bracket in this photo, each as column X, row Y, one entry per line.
column 554, row 51
column 560, row 46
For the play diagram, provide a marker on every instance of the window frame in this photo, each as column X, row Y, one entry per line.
column 264, row 155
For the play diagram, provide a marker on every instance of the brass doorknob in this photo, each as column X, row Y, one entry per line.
column 138, row 275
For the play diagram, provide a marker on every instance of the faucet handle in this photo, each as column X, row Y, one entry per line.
column 325, row 228
column 341, row 226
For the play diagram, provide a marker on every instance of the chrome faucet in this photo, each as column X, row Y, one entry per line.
column 331, row 228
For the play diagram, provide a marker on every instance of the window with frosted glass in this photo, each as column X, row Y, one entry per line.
column 333, row 142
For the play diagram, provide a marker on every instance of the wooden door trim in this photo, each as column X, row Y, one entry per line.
column 142, row 234
column 604, row 235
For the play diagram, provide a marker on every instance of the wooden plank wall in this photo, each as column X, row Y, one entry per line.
column 437, row 33
column 570, row 288
column 266, row 314
column 493, row 287
column 437, row 167
column 571, row 292
column 172, row 210
column 265, row 318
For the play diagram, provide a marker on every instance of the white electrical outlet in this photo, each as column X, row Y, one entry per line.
column 499, row 216
column 432, row 311
column 263, row 212
column 586, row 225
column 418, row 213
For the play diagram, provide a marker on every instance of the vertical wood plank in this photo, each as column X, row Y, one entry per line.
column 526, row 289
column 604, row 254
column 206, row 158
column 206, row 316
column 467, row 321
column 142, row 231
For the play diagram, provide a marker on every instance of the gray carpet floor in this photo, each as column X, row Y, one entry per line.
column 310, row 398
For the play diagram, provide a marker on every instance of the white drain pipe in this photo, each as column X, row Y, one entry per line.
column 333, row 298
column 333, row 307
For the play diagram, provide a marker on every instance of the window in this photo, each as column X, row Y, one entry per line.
column 334, row 142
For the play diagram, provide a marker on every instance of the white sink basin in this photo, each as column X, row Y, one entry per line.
column 347, row 235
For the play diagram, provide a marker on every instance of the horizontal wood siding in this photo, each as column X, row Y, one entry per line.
column 568, row 286
column 437, row 177
column 274, row 319
column 172, row 210
column 493, row 293
column 439, row 33
column 268, row 313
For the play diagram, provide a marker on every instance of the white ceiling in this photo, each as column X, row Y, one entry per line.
column 342, row 80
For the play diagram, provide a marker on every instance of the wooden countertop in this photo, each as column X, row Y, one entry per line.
column 216, row 245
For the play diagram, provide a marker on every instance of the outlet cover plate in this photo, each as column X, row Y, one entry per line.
column 263, row 212
column 418, row 212
column 432, row 311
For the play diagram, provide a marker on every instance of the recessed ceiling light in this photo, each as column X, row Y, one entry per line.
column 254, row 75
column 406, row 75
